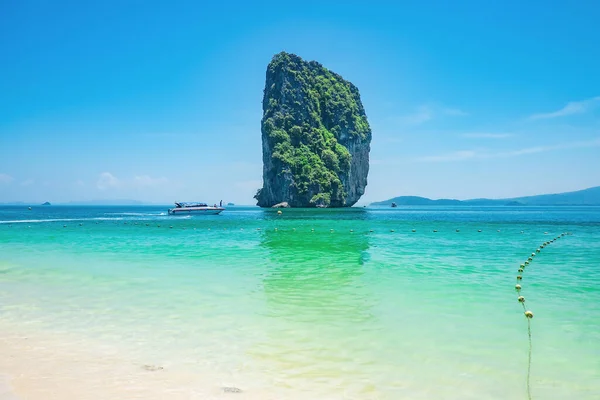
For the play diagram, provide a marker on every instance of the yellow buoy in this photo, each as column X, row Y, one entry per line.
column 521, row 270
column 391, row 230
column 528, row 314
column 458, row 230
column 519, row 277
column 478, row 230
column 435, row 230
column 522, row 265
column 521, row 299
column 279, row 212
column 518, row 287
column 414, row 230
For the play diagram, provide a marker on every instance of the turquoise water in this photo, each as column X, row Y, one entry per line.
column 320, row 303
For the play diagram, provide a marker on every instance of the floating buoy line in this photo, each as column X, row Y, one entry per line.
column 158, row 225
column 521, row 299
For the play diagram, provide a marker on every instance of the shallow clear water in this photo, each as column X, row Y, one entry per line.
column 285, row 304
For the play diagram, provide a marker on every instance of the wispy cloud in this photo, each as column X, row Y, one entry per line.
column 453, row 156
column 426, row 113
column 106, row 180
column 574, row 107
column 27, row 182
column 454, row 112
column 485, row 135
column 5, row 178
column 464, row 155
column 421, row 115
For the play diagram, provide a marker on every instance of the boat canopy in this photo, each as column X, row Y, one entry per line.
column 190, row 204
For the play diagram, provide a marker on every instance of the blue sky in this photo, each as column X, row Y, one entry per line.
column 161, row 101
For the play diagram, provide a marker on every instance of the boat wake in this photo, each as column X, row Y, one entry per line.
column 134, row 214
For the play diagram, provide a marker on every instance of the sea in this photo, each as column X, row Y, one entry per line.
column 356, row 303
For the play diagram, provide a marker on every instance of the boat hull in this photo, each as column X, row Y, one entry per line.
column 196, row 211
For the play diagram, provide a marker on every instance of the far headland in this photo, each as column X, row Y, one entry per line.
column 585, row 197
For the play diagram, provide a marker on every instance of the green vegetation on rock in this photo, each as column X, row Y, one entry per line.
column 311, row 118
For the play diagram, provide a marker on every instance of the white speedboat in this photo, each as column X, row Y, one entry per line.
column 195, row 208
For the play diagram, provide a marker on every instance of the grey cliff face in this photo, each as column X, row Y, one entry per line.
column 315, row 137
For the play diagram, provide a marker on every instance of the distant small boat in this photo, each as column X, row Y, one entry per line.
column 195, row 208
column 394, row 205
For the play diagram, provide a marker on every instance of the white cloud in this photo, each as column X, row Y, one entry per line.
column 5, row 178
column 485, row 135
column 27, row 182
column 106, row 180
column 482, row 154
column 574, row 107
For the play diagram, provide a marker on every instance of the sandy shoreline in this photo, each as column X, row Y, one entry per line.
column 6, row 391
column 44, row 368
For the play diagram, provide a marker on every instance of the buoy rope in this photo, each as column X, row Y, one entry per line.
column 528, row 314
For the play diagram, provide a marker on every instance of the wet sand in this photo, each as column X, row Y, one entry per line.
column 42, row 367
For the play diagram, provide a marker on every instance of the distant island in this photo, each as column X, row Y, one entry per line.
column 46, row 204
column 315, row 137
column 586, row 197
